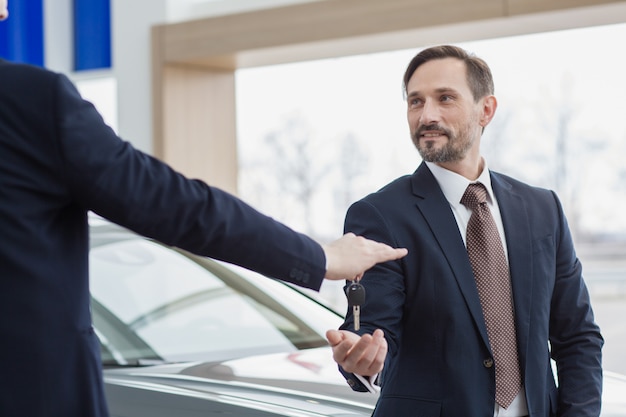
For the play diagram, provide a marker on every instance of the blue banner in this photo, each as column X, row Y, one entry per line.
column 92, row 34
column 21, row 35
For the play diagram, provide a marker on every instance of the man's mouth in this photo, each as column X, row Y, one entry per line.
column 428, row 135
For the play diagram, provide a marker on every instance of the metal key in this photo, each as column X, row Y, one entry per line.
column 356, row 298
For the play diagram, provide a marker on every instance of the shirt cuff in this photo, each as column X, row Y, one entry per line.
column 366, row 381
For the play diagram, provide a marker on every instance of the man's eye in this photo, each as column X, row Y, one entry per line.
column 446, row 98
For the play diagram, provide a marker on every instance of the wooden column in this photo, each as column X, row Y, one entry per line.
column 195, row 122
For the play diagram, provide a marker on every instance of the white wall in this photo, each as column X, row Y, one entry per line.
column 131, row 44
column 58, row 35
column 131, row 20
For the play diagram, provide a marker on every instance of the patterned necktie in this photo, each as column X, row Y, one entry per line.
column 491, row 272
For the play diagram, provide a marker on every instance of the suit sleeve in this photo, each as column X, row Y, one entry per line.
column 113, row 179
column 385, row 281
column 575, row 338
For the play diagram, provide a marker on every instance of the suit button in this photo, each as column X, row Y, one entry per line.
column 297, row 274
column 488, row 363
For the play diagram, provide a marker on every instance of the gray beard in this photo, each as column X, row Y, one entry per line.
column 449, row 153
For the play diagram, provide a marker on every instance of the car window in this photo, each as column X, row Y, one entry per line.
column 151, row 302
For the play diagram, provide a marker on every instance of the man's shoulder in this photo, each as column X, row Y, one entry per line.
column 537, row 197
column 390, row 198
column 399, row 185
column 503, row 180
column 20, row 67
column 15, row 73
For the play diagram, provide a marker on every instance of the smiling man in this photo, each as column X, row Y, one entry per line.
column 447, row 97
column 491, row 290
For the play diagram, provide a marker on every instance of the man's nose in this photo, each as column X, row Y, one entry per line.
column 430, row 113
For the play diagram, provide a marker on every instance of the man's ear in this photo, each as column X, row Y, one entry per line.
column 4, row 10
column 489, row 105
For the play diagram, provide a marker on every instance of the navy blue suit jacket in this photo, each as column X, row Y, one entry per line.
column 439, row 360
column 58, row 160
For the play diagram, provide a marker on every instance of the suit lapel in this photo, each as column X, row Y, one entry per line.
column 517, row 230
column 433, row 205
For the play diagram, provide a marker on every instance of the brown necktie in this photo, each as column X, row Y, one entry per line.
column 491, row 272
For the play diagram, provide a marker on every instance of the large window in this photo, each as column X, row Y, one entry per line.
column 316, row 136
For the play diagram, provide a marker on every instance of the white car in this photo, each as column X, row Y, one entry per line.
column 183, row 335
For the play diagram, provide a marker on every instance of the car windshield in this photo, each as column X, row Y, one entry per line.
column 153, row 303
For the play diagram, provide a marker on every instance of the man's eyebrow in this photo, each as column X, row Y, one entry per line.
column 446, row 90
column 439, row 90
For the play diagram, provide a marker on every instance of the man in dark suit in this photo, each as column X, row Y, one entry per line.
column 424, row 340
column 58, row 160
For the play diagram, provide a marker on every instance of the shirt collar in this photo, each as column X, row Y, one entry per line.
column 454, row 185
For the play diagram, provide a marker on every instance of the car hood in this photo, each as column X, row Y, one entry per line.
column 303, row 383
column 300, row 383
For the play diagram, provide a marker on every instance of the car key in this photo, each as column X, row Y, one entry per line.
column 356, row 298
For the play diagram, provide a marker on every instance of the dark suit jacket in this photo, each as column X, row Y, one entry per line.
column 57, row 161
column 439, row 360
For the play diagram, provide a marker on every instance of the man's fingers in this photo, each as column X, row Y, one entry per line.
column 366, row 356
column 374, row 356
column 377, row 362
column 387, row 253
column 334, row 337
column 341, row 342
column 351, row 255
column 363, row 355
